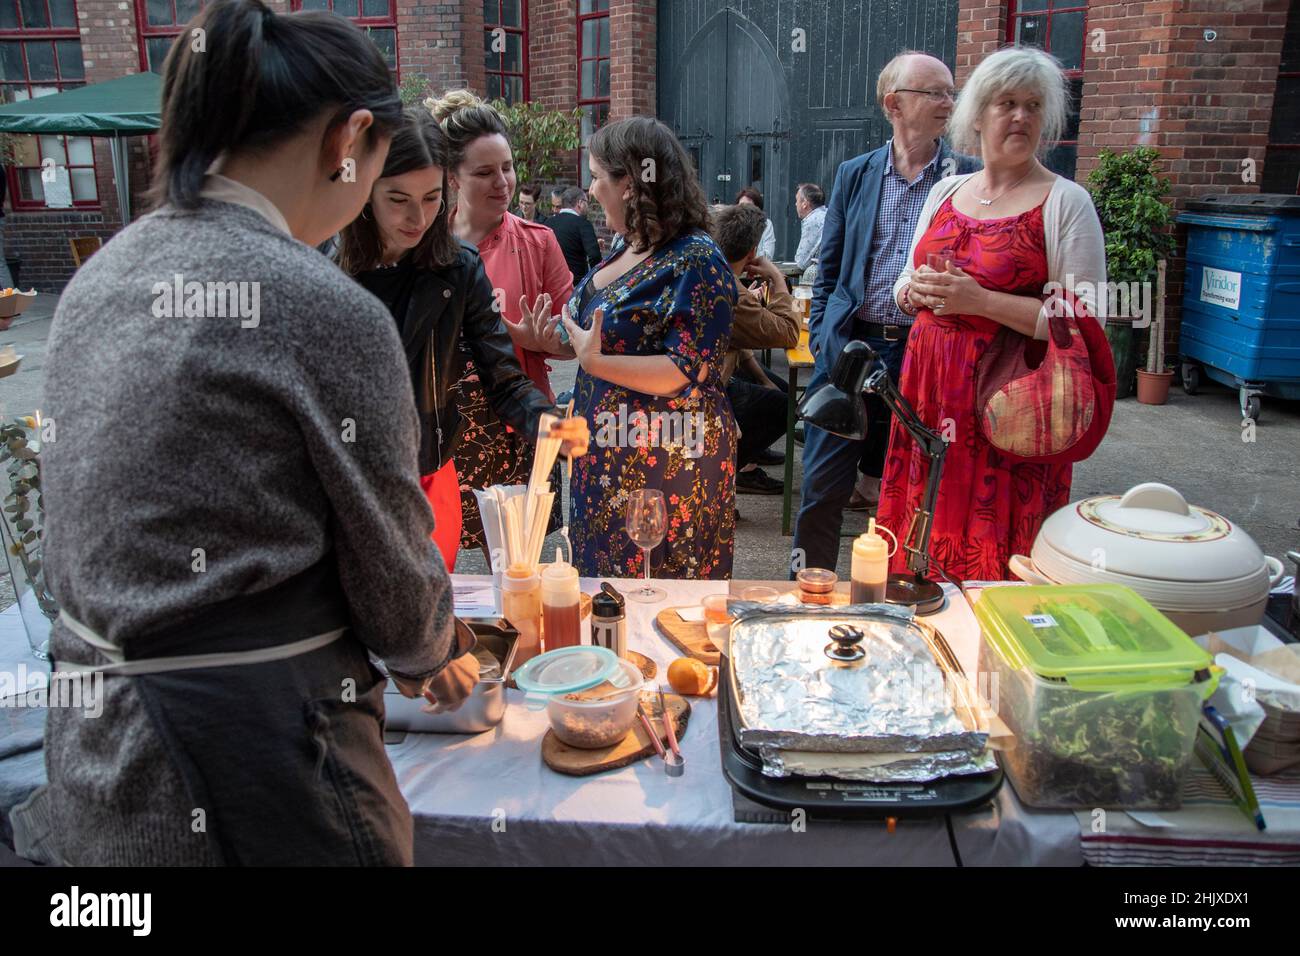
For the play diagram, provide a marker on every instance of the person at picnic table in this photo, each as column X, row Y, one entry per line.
column 402, row 250
column 1004, row 234
column 266, row 514
column 758, row 402
column 650, row 328
column 530, row 280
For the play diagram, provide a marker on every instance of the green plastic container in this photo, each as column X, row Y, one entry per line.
column 1101, row 690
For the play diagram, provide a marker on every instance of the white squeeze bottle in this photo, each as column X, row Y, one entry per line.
column 870, row 566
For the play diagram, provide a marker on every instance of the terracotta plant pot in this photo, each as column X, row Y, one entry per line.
column 1153, row 387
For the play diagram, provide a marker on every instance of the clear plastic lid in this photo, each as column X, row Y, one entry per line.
column 1087, row 633
column 566, row 669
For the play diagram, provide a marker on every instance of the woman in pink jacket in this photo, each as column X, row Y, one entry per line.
column 530, row 280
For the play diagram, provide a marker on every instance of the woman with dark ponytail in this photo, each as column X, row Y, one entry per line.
column 234, row 519
column 401, row 249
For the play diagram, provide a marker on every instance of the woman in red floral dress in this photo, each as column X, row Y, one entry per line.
column 999, row 237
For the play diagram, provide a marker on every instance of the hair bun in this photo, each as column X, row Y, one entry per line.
column 451, row 102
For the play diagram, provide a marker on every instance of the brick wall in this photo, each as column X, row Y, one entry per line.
column 981, row 29
column 632, row 65
column 553, row 63
column 432, row 42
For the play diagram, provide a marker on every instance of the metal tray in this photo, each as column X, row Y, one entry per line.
column 845, row 721
column 484, row 707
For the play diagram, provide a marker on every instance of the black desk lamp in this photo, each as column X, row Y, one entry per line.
column 837, row 408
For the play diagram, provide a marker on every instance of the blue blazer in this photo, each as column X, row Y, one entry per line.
column 855, row 198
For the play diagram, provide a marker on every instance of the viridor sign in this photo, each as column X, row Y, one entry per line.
column 1219, row 287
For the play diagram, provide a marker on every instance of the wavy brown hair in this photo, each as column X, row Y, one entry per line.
column 667, row 200
column 417, row 144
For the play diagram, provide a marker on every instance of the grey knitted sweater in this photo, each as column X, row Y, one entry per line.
column 199, row 458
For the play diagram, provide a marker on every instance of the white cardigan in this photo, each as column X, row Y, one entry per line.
column 1076, row 250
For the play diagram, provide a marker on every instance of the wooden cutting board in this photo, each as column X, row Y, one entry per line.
column 645, row 665
column 634, row 747
column 689, row 637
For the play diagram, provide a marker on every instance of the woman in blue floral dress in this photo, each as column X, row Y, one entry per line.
column 650, row 326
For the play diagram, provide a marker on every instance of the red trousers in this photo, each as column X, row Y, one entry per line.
column 442, row 488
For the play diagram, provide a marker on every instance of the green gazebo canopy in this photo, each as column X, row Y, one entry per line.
column 127, row 106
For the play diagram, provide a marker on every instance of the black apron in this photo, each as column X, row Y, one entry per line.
column 285, row 758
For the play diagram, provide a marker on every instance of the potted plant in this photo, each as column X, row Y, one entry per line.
column 23, row 528
column 1128, row 193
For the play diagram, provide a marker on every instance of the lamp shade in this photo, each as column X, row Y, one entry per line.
column 837, row 406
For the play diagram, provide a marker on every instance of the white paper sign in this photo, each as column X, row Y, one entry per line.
column 58, row 193
column 1219, row 287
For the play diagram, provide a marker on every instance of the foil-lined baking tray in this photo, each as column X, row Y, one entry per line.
column 906, row 696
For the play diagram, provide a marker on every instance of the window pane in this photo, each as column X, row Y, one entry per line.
column 602, row 78
column 510, row 13
column 1286, row 111
column 34, row 15
column 83, row 185
column 1067, row 39
column 70, row 64
column 347, row 8
column 492, row 57
column 11, row 60
column 1281, row 171
column 588, row 125
column 64, row 13
column 81, row 151
column 604, row 36
column 1062, row 160
column 25, row 152
column 40, row 61
column 386, row 40
column 39, row 91
column 187, row 10
column 1074, row 88
column 8, row 15
column 593, row 6
column 514, row 56
column 587, row 87
column 491, row 10
column 1031, row 31
column 52, row 148
column 29, row 185
column 1025, row 6
column 376, row 8
column 315, row 4
column 755, row 163
column 590, row 37
column 514, row 89
column 494, row 86
column 159, row 12
column 156, row 48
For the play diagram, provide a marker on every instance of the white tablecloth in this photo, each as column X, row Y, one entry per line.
column 489, row 799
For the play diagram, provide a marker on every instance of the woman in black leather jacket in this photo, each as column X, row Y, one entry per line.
column 402, row 250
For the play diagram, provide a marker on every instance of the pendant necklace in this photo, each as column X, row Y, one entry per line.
column 990, row 202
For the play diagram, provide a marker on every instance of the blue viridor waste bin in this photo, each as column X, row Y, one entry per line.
column 1241, row 296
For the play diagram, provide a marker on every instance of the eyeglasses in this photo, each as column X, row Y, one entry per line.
column 937, row 96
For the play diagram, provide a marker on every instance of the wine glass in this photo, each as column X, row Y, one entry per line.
column 646, row 521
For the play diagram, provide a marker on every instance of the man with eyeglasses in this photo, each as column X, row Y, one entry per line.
column 874, row 207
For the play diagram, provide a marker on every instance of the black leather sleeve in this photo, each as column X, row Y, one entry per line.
column 513, row 396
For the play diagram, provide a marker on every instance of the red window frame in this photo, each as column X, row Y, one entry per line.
column 146, row 31
column 1051, row 9
column 498, row 69
column 594, row 102
column 49, row 34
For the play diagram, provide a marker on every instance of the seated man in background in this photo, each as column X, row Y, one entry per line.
column 758, row 402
